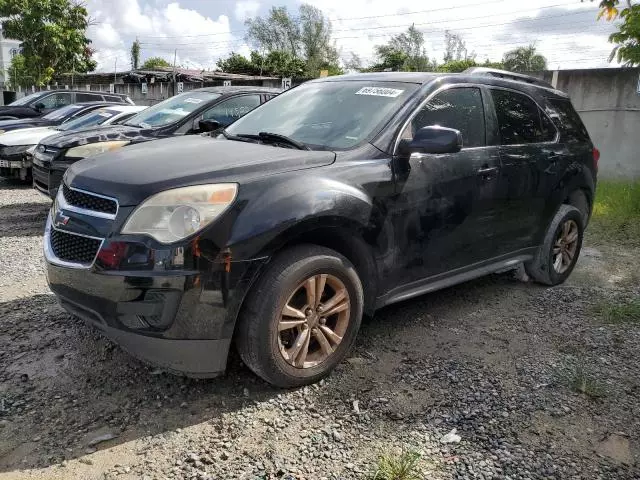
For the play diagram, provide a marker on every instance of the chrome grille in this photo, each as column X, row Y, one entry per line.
column 88, row 201
column 73, row 248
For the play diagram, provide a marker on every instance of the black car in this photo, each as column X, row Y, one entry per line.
column 53, row 118
column 198, row 111
column 334, row 199
column 40, row 103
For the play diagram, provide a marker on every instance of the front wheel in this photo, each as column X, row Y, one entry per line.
column 559, row 253
column 302, row 317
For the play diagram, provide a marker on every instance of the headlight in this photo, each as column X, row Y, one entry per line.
column 175, row 214
column 95, row 148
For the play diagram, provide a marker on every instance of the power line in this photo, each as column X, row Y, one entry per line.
column 404, row 25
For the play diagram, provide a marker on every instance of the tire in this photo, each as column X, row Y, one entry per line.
column 542, row 268
column 266, row 350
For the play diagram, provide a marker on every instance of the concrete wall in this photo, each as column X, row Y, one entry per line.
column 608, row 101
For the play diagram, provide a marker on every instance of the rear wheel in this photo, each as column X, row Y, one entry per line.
column 302, row 317
column 559, row 253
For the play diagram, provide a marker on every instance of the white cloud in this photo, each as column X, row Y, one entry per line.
column 568, row 36
column 246, row 9
column 161, row 29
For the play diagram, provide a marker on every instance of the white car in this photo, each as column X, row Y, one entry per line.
column 15, row 146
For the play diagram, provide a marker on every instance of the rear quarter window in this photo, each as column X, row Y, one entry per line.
column 568, row 121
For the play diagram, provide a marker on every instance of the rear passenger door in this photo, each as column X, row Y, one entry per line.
column 529, row 156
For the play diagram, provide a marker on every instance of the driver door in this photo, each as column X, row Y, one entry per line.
column 446, row 202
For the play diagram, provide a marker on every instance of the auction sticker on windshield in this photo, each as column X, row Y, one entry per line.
column 192, row 100
column 379, row 92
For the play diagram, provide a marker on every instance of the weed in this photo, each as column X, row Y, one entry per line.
column 618, row 312
column 582, row 382
column 616, row 212
column 394, row 466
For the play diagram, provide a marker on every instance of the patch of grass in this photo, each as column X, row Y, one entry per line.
column 618, row 312
column 402, row 466
column 582, row 382
column 616, row 212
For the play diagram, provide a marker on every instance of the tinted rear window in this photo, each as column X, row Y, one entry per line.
column 518, row 118
column 568, row 121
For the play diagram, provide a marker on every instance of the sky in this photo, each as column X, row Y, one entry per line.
column 199, row 32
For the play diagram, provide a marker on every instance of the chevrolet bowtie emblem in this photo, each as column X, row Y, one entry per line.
column 61, row 220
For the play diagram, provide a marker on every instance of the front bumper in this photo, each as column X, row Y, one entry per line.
column 180, row 320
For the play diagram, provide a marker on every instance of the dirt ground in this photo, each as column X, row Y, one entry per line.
column 498, row 359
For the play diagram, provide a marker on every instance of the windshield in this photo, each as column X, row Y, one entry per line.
column 97, row 117
column 63, row 112
column 171, row 110
column 331, row 115
column 27, row 99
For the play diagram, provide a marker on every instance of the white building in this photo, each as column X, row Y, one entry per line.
column 8, row 48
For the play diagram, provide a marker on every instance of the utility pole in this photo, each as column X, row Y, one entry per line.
column 115, row 69
column 175, row 54
column 73, row 68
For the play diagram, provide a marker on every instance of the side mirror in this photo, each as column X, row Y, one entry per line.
column 432, row 139
column 208, row 126
column 39, row 106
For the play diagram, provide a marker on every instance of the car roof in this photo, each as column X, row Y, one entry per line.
column 123, row 108
column 237, row 89
column 404, row 77
column 476, row 75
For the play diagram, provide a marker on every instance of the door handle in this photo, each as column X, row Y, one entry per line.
column 487, row 171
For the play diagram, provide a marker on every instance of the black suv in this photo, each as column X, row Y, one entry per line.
column 41, row 103
column 197, row 111
column 334, row 199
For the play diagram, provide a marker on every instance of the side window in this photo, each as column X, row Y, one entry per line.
column 56, row 100
column 124, row 118
column 229, row 111
column 88, row 97
column 459, row 108
column 549, row 131
column 569, row 122
column 518, row 118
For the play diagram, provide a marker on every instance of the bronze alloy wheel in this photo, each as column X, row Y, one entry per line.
column 564, row 249
column 314, row 321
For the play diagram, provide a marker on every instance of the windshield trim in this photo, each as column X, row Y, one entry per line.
column 375, row 132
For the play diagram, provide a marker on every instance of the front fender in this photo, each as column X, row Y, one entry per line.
column 281, row 212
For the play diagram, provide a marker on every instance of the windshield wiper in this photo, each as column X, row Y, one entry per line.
column 281, row 138
column 241, row 138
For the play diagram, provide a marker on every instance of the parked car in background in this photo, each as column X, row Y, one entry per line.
column 336, row 198
column 197, row 111
column 40, row 103
column 56, row 117
column 15, row 146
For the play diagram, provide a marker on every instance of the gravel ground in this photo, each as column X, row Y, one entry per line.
column 493, row 359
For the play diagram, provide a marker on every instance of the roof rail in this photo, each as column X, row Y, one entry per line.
column 518, row 77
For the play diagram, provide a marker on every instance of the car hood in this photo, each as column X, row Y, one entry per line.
column 98, row 134
column 136, row 172
column 8, row 125
column 26, row 136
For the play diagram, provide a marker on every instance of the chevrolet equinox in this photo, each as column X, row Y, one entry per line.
column 336, row 198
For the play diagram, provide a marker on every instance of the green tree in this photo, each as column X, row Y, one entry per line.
column 236, row 63
column 306, row 36
column 524, row 59
column 456, row 66
column 627, row 38
column 18, row 74
column 455, row 48
column 404, row 52
column 135, row 54
column 354, row 63
column 153, row 63
column 52, row 35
